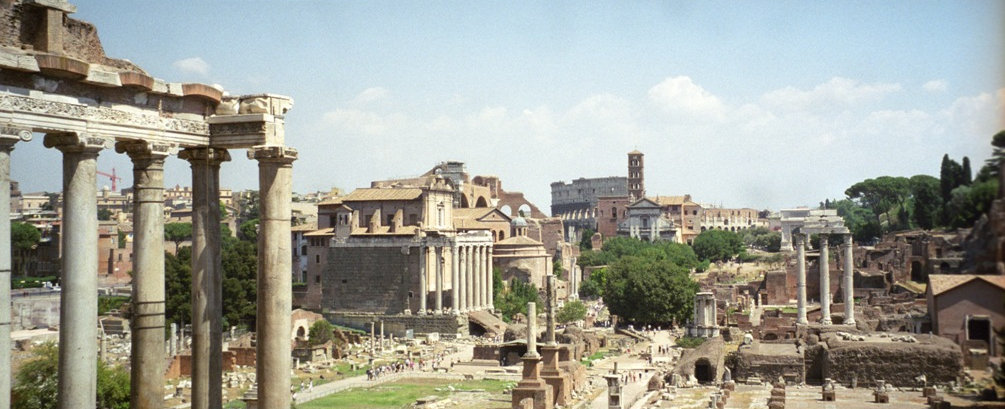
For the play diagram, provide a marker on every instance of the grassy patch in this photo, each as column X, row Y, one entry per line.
column 398, row 394
column 689, row 342
column 30, row 282
column 235, row 404
column 600, row 354
column 112, row 302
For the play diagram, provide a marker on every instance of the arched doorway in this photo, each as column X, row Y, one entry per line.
column 301, row 333
column 481, row 202
column 917, row 275
column 703, row 371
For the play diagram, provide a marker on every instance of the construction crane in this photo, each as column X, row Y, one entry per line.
column 113, row 177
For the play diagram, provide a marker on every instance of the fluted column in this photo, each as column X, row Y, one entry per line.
column 438, row 259
column 275, row 281
column 469, row 273
column 147, row 354
column 489, row 302
column 8, row 137
column 463, row 276
column 454, row 280
column 825, row 281
column 422, row 279
column 207, row 277
column 800, row 241
column 849, row 281
column 78, row 313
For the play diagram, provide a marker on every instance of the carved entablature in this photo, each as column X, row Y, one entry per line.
column 47, row 115
column 15, row 133
column 248, row 121
column 273, row 153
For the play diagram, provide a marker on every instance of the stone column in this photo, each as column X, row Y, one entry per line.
column 550, row 311
column 489, row 301
column 78, row 313
column 532, row 331
column 173, row 343
column 470, row 283
column 479, row 271
column 438, row 259
column 825, row 281
column 207, row 277
column 462, row 291
column 454, row 279
column 800, row 242
column 422, row 279
column 849, row 281
column 147, row 355
column 275, row 283
column 8, row 137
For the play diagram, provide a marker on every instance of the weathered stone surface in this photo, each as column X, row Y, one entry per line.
column 896, row 362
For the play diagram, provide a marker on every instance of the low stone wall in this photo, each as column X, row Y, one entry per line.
column 447, row 325
column 746, row 363
column 897, row 363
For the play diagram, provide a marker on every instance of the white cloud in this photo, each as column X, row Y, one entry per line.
column 935, row 86
column 193, row 65
column 834, row 94
column 369, row 95
column 355, row 122
column 681, row 95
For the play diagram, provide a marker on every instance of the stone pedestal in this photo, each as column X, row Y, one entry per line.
column 532, row 386
column 613, row 390
column 560, row 383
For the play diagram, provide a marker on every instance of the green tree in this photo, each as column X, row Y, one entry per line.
column 593, row 286
column 648, row 291
column 24, row 239
column 514, row 299
column 926, row 200
column 178, row 286
column 882, row 195
column 177, row 233
column 966, row 175
column 717, row 245
column 572, row 311
column 248, row 230
column 240, row 290
column 321, row 331
column 35, row 385
column 970, row 202
column 122, row 239
column 586, row 242
column 993, row 164
column 104, row 214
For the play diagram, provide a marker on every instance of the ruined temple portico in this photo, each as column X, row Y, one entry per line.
column 84, row 104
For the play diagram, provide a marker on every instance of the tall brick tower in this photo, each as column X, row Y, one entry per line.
column 636, row 177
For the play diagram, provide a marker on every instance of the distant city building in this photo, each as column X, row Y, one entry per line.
column 730, row 219
column 646, row 221
column 576, row 202
column 636, row 175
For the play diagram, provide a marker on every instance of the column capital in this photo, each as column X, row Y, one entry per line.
column 273, row 153
column 137, row 149
column 74, row 142
column 215, row 156
column 9, row 135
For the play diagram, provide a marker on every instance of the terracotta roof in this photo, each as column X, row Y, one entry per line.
column 472, row 213
column 670, row 200
column 323, row 232
column 940, row 283
column 386, row 231
column 331, row 201
column 305, row 227
column 375, row 194
column 519, row 241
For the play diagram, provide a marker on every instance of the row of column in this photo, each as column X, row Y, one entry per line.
column 78, row 335
column 848, row 283
column 470, row 277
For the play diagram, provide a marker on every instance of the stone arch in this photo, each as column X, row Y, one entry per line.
column 481, row 202
column 525, row 208
column 302, row 333
column 703, row 371
column 944, row 267
column 506, row 210
column 770, row 337
column 464, row 202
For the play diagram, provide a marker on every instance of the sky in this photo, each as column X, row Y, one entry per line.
column 762, row 104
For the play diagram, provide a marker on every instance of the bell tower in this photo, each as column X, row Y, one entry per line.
column 636, row 176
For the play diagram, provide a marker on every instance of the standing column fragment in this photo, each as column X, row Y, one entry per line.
column 438, row 259
column 422, row 279
column 147, row 354
column 849, row 281
column 454, row 280
column 489, row 279
column 800, row 240
column 825, row 281
column 275, row 263
column 479, row 278
column 78, row 313
column 207, row 277
column 8, row 137
column 463, row 276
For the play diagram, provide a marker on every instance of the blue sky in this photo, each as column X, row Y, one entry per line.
column 754, row 104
